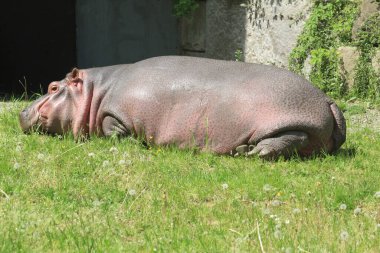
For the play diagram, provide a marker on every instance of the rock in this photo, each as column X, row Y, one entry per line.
column 265, row 31
column 193, row 32
column 349, row 57
column 376, row 62
column 225, row 29
column 271, row 36
column 306, row 70
column 367, row 8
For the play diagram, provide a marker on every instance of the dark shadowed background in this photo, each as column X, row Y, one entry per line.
column 40, row 41
column 37, row 42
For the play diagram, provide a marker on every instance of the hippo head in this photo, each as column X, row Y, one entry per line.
column 64, row 108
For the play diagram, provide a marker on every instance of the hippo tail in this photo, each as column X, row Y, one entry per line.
column 339, row 131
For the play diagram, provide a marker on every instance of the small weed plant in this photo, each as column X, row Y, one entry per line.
column 184, row 8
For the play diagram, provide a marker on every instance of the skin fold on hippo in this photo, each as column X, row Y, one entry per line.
column 222, row 106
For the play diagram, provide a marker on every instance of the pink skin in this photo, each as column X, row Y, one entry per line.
column 64, row 108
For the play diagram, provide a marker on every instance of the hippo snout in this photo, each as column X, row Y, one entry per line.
column 24, row 121
column 28, row 119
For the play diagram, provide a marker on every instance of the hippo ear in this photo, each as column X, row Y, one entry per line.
column 75, row 78
column 74, row 73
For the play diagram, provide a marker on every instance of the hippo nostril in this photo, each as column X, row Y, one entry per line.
column 23, row 118
column 27, row 120
column 24, row 114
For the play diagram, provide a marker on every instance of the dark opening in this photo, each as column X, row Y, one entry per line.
column 37, row 42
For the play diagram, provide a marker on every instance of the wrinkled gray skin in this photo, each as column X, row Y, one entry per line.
column 223, row 106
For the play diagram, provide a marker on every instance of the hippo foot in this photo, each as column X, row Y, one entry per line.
column 242, row 150
column 284, row 144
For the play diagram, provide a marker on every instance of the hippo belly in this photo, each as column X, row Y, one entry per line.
column 221, row 105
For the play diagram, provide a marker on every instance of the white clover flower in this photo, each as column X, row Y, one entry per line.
column 344, row 235
column 106, row 163
column 36, row 235
column 273, row 216
column 266, row 211
column 277, row 234
column 40, row 156
column 16, row 165
column 142, row 158
column 96, row 203
column 91, row 154
column 267, row 187
column 377, row 195
column 276, row 202
column 224, row 186
column 287, row 221
column 132, row 192
column 343, row 207
column 18, row 148
column 357, row 211
column 278, row 226
column 378, row 226
column 114, row 150
column 296, row 210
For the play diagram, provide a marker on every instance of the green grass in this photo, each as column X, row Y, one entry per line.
column 59, row 195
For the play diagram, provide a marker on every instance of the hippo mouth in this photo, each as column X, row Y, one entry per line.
column 32, row 120
column 42, row 120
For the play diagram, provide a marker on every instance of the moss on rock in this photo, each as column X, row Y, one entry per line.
column 328, row 28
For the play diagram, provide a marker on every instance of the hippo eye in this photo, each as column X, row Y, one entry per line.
column 53, row 88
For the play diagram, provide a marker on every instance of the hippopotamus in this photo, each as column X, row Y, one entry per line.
column 225, row 107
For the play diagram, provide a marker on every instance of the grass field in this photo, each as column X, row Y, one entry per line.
column 105, row 195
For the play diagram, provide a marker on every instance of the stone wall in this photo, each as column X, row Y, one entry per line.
column 226, row 28
column 264, row 30
column 349, row 55
column 124, row 31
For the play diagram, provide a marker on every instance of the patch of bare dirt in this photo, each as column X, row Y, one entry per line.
column 370, row 119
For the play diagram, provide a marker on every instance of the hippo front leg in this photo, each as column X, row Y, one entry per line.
column 113, row 127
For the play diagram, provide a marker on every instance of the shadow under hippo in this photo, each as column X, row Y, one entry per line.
column 223, row 106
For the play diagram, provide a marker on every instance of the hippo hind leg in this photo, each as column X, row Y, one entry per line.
column 283, row 144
